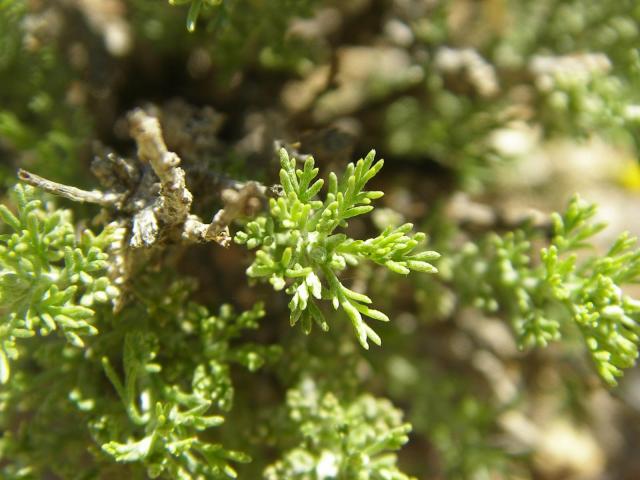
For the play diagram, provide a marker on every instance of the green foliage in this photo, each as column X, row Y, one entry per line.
column 156, row 414
column 297, row 244
column 352, row 440
column 170, row 423
column 246, row 32
column 50, row 278
column 543, row 299
column 567, row 26
column 449, row 130
column 173, row 379
column 455, row 416
column 566, row 67
column 195, row 7
column 162, row 387
column 581, row 95
column 38, row 125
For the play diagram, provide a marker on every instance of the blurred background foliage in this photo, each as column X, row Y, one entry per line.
column 490, row 114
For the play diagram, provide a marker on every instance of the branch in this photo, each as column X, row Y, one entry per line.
column 242, row 200
column 160, row 212
column 176, row 198
column 108, row 199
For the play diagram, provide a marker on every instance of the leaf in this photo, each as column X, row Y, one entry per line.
column 192, row 16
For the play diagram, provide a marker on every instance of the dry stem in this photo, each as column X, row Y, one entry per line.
column 108, row 199
column 160, row 212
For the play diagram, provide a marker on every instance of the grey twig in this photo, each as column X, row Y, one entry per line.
column 243, row 200
column 71, row 193
column 159, row 212
column 177, row 199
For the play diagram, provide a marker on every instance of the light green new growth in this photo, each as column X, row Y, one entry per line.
column 297, row 244
column 539, row 299
column 194, row 9
column 351, row 441
column 50, row 278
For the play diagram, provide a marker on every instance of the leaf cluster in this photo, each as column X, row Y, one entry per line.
column 299, row 250
column 341, row 439
column 565, row 288
column 50, row 278
column 170, row 418
column 174, row 381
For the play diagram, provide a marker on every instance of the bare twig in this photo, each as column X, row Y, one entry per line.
column 72, row 193
column 159, row 212
column 244, row 200
column 197, row 231
column 176, row 198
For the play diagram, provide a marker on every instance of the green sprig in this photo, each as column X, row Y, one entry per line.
column 300, row 251
column 339, row 439
column 50, row 279
column 543, row 300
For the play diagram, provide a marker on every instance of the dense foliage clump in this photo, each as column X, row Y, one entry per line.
column 164, row 223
